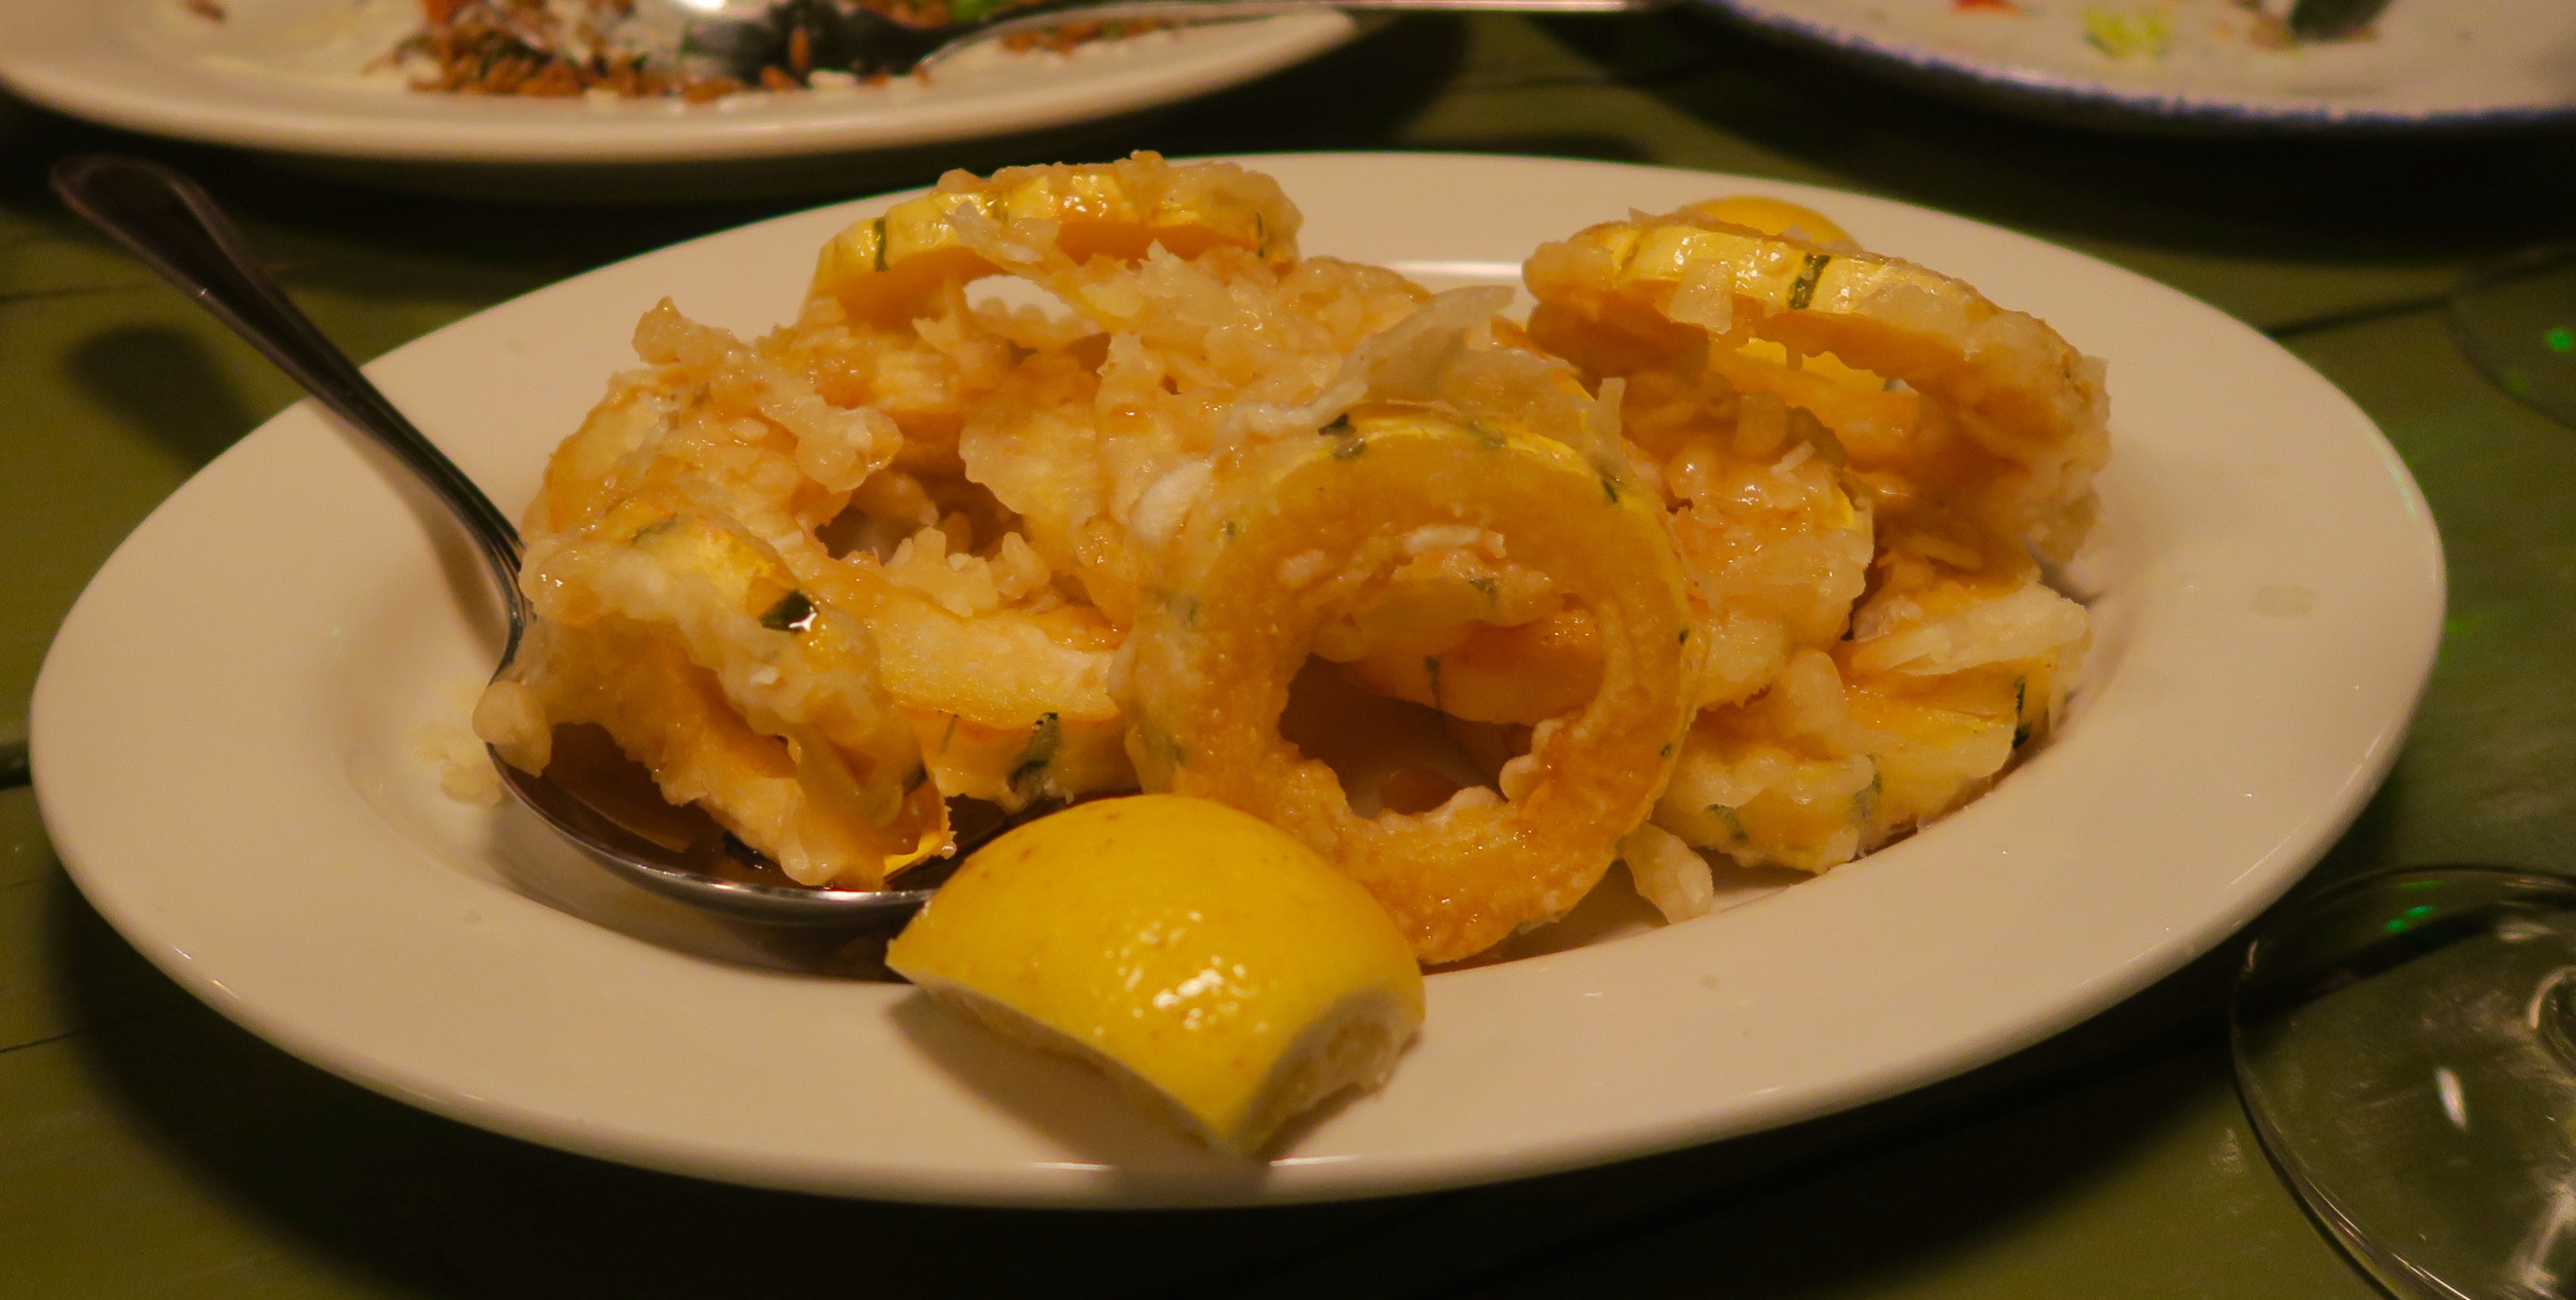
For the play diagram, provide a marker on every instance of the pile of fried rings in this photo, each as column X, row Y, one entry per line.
column 1732, row 551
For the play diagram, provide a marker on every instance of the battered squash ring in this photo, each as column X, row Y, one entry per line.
column 1665, row 291
column 1294, row 534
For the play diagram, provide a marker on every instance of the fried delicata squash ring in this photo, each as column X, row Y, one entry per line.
column 1686, row 289
column 885, row 270
column 1008, row 706
column 1298, row 533
column 691, row 642
column 1521, row 672
column 1833, row 728
column 1828, row 764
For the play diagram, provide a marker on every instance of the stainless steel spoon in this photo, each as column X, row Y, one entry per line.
column 166, row 220
column 2332, row 20
column 742, row 37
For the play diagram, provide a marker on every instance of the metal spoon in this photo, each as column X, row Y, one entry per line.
column 164, row 219
column 742, row 37
column 2332, row 20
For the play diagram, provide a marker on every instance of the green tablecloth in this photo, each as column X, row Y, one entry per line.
column 148, row 1147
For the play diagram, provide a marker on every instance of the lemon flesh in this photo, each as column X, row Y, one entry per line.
column 1197, row 952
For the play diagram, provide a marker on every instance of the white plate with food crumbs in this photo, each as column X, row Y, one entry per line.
column 1971, row 801
column 2215, row 64
column 342, row 79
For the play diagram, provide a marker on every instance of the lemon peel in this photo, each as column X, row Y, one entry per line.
column 1203, row 957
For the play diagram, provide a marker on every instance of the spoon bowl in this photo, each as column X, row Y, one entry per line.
column 173, row 226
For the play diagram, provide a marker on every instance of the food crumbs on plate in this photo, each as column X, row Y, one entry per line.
column 2128, row 33
column 1197, row 954
column 446, row 741
column 611, row 49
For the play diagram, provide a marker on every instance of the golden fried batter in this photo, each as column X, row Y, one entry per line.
column 1738, row 532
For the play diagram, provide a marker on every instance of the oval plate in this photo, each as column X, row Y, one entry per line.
column 224, row 740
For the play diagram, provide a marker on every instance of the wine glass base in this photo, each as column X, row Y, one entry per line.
column 2516, row 321
column 2406, row 1048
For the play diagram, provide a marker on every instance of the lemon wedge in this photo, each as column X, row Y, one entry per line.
column 1198, row 953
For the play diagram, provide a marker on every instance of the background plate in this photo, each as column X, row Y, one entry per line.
column 2435, row 64
column 225, row 756
column 280, row 75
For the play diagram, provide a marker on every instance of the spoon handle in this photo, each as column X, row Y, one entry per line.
column 174, row 227
column 163, row 218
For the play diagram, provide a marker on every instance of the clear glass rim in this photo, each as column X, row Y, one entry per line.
column 2273, row 991
column 2466, row 335
column 2511, row 266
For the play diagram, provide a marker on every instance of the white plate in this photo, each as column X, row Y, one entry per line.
column 223, row 753
column 283, row 75
column 2436, row 63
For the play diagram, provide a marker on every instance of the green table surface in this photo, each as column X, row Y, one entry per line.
column 148, row 1147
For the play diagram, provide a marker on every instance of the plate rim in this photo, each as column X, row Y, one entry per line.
column 2278, row 868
